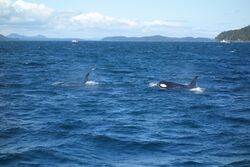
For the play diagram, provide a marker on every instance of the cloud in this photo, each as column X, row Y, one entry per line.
column 95, row 19
column 161, row 23
column 21, row 12
column 25, row 17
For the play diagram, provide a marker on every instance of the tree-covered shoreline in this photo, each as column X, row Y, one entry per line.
column 242, row 34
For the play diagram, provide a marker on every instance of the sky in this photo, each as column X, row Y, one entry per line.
column 94, row 19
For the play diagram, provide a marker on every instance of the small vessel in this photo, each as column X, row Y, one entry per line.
column 74, row 41
column 225, row 41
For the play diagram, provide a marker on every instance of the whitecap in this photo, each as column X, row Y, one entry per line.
column 198, row 90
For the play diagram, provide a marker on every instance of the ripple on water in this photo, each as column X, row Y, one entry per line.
column 48, row 117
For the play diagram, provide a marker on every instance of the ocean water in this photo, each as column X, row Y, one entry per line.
column 119, row 118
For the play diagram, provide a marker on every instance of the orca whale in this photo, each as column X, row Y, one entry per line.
column 173, row 85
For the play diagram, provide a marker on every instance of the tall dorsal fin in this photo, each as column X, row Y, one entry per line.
column 193, row 83
column 86, row 78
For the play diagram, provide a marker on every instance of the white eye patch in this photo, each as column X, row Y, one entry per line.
column 163, row 85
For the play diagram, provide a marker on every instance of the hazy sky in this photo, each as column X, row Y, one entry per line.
column 99, row 18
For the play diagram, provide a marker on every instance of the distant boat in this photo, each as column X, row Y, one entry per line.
column 74, row 41
column 225, row 41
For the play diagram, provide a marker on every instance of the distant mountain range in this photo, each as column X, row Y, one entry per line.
column 18, row 37
column 3, row 38
column 15, row 36
column 239, row 35
column 157, row 38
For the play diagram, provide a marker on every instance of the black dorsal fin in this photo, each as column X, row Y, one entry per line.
column 193, row 83
column 86, row 78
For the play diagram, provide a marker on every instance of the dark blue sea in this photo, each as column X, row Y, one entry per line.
column 120, row 118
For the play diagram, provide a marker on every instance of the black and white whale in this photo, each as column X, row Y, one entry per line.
column 173, row 85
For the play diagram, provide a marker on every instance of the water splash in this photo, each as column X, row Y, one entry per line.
column 91, row 83
column 63, row 84
column 57, row 83
column 198, row 90
column 153, row 84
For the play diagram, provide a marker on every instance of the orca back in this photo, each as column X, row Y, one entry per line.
column 171, row 85
column 193, row 83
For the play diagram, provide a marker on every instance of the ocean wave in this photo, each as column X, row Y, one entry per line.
column 237, row 120
column 12, row 85
column 68, row 125
column 188, row 123
column 120, row 143
column 8, row 158
column 122, row 71
column 188, row 163
column 64, row 84
column 10, row 132
column 27, row 156
column 2, row 74
column 241, row 163
column 49, row 117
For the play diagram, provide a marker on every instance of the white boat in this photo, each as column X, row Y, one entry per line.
column 74, row 41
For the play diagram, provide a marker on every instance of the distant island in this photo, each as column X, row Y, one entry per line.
column 157, row 38
column 3, row 38
column 240, row 35
column 15, row 36
column 18, row 37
